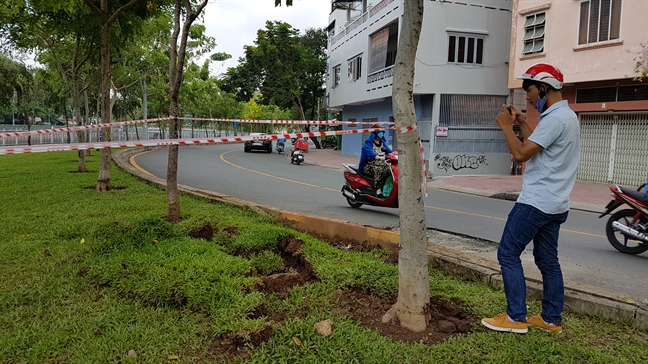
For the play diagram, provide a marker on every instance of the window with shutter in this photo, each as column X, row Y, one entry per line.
column 465, row 49
column 336, row 76
column 534, row 32
column 599, row 21
column 355, row 68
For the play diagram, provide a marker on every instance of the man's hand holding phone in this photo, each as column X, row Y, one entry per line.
column 506, row 118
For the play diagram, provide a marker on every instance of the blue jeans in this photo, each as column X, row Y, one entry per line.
column 526, row 223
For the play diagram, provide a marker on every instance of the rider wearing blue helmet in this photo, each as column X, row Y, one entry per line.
column 372, row 159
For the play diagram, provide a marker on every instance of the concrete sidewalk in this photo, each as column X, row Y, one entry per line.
column 578, row 298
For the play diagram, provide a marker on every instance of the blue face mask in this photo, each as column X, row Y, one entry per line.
column 541, row 101
column 540, row 104
column 381, row 135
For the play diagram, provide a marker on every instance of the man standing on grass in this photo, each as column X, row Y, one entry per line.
column 552, row 153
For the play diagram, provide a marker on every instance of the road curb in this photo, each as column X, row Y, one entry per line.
column 443, row 258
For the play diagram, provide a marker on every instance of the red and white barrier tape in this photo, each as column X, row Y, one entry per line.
column 165, row 142
column 297, row 122
column 423, row 168
column 143, row 121
column 80, row 127
column 408, row 129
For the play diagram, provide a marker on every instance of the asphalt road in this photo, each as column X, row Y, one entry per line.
column 588, row 260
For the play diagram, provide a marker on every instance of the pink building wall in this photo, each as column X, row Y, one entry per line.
column 608, row 60
column 596, row 65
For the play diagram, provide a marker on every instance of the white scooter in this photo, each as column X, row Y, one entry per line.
column 296, row 156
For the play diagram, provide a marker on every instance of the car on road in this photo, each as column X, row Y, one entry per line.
column 260, row 142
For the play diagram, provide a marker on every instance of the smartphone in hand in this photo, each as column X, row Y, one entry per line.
column 510, row 110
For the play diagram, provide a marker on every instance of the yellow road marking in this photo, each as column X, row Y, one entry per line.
column 222, row 157
column 134, row 164
column 465, row 213
column 502, row 219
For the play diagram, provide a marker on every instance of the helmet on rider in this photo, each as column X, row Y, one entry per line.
column 378, row 133
column 542, row 73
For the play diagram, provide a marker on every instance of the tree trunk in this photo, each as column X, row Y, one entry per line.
column 78, row 120
column 65, row 115
column 107, row 20
column 103, row 183
column 176, row 66
column 412, row 306
column 87, row 119
column 173, row 200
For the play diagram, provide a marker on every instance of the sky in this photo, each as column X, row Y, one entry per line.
column 234, row 23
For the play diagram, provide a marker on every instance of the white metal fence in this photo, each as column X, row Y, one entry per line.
column 118, row 134
column 614, row 148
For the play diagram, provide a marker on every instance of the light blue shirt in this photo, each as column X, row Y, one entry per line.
column 550, row 175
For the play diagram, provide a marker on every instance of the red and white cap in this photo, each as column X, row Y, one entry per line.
column 546, row 73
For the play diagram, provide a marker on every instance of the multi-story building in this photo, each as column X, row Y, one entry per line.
column 460, row 78
column 596, row 44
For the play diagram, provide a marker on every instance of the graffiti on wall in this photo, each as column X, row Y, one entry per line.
column 460, row 161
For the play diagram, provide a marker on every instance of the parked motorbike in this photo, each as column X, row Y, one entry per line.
column 627, row 230
column 359, row 188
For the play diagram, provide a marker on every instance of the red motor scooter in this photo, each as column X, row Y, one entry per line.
column 627, row 230
column 359, row 188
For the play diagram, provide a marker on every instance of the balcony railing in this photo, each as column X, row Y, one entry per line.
column 360, row 20
column 387, row 72
column 381, row 5
column 356, row 23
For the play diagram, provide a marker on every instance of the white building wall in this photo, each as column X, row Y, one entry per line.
column 356, row 42
column 488, row 18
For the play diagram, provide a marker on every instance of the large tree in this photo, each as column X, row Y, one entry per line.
column 15, row 79
column 412, row 307
column 286, row 68
column 63, row 35
column 131, row 12
column 181, row 32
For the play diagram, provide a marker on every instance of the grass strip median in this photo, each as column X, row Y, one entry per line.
column 102, row 277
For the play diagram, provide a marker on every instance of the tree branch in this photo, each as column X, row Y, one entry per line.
column 98, row 12
column 118, row 12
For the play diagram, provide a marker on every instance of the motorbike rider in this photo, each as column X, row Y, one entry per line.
column 281, row 142
column 372, row 158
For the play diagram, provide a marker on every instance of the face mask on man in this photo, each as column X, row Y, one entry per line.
column 541, row 102
column 381, row 135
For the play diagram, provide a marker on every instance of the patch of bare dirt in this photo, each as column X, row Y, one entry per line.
column 205, row 232
column 356, row 246
column 231, row 231
column 209, row 232
column 297, row 269
column 447, row 317
column 237, row 346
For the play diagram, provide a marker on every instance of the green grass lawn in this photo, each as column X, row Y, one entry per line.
column 87, row 277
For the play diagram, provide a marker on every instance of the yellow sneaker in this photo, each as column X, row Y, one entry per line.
column 540, row 323
column 501, row 322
